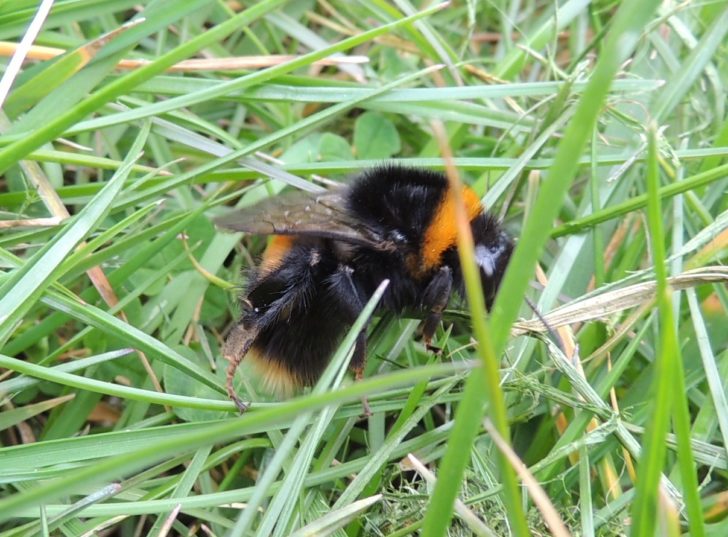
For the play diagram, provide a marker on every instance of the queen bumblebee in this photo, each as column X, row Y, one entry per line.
column 330, row 251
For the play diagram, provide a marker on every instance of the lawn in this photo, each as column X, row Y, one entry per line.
column 589, row 401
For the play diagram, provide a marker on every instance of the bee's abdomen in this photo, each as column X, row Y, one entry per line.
column 298, row 316
column 303, row 345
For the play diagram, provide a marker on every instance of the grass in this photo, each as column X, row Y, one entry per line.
column 599, row 134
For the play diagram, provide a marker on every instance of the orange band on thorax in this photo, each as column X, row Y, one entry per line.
column 441, row 234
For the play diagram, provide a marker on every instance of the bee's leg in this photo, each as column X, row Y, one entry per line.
column 435, row 299
column 347, row 295
column 236, row 346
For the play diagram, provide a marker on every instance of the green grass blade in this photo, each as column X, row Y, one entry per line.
column 61, row 70
column 18, row 150
column 694, row 65
column 10, row 418
column 645, row 507
column 712, row 373
column 21, row 383
column 24, row 286
column 637, row 202
column 184, row 486
column 108, row 388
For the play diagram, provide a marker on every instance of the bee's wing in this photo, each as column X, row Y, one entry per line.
column 307, row 214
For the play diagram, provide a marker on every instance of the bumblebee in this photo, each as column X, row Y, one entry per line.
column 330, row 251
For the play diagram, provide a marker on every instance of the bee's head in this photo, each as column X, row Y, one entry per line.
column 493, row 248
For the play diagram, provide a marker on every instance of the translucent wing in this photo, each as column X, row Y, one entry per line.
column 307, row 214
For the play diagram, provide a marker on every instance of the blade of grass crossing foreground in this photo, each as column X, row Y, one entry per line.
column 644, row 507
column 79, row 382
column 681, row 418
column 621, row 40
column 668, row 379
column 21, row 383
column 204, row 434
column 488, row 374
column 685, row 457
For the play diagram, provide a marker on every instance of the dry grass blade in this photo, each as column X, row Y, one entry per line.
column 548, row 511
column 463, row 511
column 41, row 53
column 244, row 62
column 31, row 222
column 167, row 526
column 33, row 89
column 329, row 523
column 611, row 302
column 87, row 51
column 21, row 52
